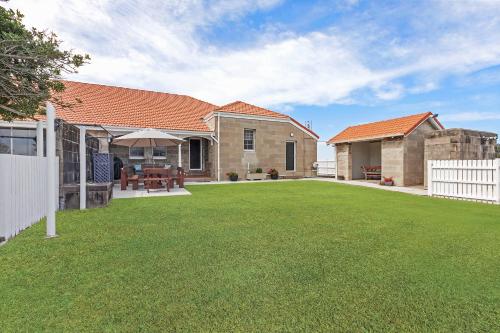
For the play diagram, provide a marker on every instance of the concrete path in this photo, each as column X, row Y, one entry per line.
column 142, row 193
column 129, row 193
column 416, row 190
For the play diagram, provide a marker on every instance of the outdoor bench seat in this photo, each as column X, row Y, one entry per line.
column 372, row 172
column 125, row 178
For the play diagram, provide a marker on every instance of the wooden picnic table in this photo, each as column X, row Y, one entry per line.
column 154, row 178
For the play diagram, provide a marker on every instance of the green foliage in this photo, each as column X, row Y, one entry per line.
column 273, row 171
column 258, row 170
column 303, row 256
column 31, row 63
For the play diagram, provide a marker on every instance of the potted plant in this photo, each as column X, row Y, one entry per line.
column 257, row 175
column 388, row 181
column 273, row 173
column 233, row 176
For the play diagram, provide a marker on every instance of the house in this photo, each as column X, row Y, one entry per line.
column 218, row 139
column 395, row 145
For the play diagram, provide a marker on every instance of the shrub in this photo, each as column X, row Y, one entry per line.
column 272, row 172
column 258, row 170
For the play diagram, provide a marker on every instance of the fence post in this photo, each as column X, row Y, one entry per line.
column 429, row 178
column 83, row 168
column 39, row 138
column 497, row 178
column 51, row 173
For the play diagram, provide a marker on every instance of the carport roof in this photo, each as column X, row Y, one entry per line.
column 383, row 129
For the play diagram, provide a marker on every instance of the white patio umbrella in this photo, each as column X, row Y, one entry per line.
column 148, row 138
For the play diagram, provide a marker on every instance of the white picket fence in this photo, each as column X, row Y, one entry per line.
column 477, row 180
column 23, row 192
column 326, row 168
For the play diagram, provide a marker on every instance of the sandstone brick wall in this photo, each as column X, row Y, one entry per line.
column 393, row 152
column 459, row 144
column 414, row 165
column 270, row 139
column 344, row 161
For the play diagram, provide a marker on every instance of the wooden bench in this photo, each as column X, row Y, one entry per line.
column 372, row 171
column 125, row 178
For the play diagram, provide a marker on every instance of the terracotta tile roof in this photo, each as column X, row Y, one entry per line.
column 116, row 106
column 253, row 110
column 382, row 129
column 249, row 109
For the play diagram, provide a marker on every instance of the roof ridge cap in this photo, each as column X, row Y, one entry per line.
column 138, row 89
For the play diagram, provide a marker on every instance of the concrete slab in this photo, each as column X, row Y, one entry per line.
column 142, row 193
column 415, row 190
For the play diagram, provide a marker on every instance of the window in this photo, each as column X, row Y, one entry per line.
column 5, row 134
column 136, row 152
column 290, row 156
column 249, row 139
column 159, row 152
column 18, row 141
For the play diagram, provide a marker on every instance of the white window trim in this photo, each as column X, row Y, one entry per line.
column 254, row 132
column 201, row 154
column 12, row 137
column 130, row 157
column 158, row 157
column 294, row 156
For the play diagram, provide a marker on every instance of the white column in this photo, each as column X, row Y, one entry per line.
column 218, row 147
column 51, row 172
column 180, row 156
column 39, row 139
column 83, row 170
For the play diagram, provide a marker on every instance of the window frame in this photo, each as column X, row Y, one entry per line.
column 161, row 157
column 136, row 157
column 294, row 156
column 253, row 131
column 12, row 137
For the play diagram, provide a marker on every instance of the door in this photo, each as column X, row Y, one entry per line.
column 195, row 154
column 290, row 156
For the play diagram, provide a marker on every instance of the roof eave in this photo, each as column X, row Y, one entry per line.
column 369, row 138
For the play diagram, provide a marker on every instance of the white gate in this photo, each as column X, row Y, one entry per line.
column 465, row 179
column 326, row 168
column 23, row 192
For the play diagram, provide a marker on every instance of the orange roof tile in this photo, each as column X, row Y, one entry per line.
column 117, row 106
column 252, row 110
column 382, row 129
column 249, row 109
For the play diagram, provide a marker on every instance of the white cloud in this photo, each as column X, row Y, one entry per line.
column 471, row 116
column 158, row 46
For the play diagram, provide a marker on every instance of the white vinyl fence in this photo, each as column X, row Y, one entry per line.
column 326, row 168
column 23, row 192
column 465, row 179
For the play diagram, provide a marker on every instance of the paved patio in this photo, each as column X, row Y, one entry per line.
column 142, row 193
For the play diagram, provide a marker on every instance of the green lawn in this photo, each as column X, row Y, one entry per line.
column 284, row 256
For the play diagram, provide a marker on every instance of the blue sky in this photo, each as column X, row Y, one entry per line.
column 335, row 63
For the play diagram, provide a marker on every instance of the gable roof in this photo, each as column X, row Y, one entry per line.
column 382, row 129
column 243, row 108
column 117, row 106
column 249, row 109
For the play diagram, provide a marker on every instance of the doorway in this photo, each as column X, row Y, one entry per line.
column 195, row 154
